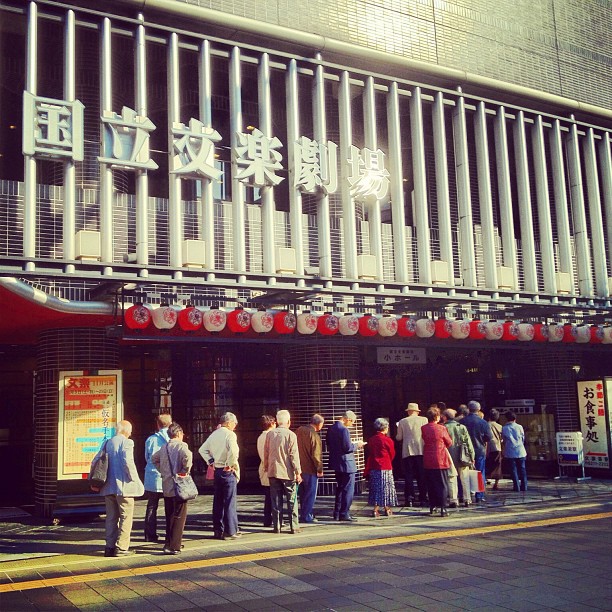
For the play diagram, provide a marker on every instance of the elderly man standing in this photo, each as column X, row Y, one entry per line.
column 122, row 485
column 282, row 465
column 342, row 461
column 480, row 434
column 153, row 479
column 221, row 450
column 409, row 434
column 309, row 447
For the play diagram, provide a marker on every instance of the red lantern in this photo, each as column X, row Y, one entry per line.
column 510, row 332
column 443, row 328
column 328, row 324
column 406, row 327
column 477, row 330
column 284, row 322
column 597, row 334
column 190, row 319
column 238, row 321
column 368, row 325
column 569, row 333
column 137, row 317
column 540, row 332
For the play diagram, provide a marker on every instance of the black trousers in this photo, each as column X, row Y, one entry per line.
column 437, row 486
column 176, row 509
column 150, row 524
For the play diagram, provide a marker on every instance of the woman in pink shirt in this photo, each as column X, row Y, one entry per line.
column 436, row 460
column 379, row 469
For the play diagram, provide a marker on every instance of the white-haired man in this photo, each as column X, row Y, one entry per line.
column 282, row 465
column 121, row 487
column 221, row 450
column 342, row 461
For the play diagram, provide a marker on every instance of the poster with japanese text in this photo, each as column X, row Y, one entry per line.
column 90, row 404
column 592, row 409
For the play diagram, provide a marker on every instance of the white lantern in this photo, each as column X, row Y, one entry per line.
column 555, row 332
column 348, row 325
column 164, row 317
column 387, row 326
column 307, row 323
column 583, row 334
column 262, row 322
column 494, row 330
column 425, row 328
column 607, row 335
column 460, row 330
column 525, row 332
column 214, row 320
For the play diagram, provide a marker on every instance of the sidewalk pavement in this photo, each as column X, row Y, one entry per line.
column 24, row 538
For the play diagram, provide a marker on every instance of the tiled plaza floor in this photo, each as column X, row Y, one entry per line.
column 548, row 550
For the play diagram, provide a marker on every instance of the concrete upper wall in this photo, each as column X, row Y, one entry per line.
column 563, row 47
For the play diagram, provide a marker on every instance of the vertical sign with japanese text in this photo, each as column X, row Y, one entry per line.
column 89, row 407
column 592, row 409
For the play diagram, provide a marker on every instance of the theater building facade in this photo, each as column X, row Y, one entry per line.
column 327, row 207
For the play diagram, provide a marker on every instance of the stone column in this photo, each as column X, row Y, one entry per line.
column 324, row 379
column 58, row 350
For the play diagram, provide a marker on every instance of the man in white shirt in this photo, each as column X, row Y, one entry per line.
column 409, row 434
column 221, row 450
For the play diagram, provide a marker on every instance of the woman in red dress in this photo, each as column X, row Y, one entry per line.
column 379, row 469
column 436, row 460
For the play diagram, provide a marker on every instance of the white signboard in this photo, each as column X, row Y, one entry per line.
column 569, row 448
column 592, row 408
column 396, row 355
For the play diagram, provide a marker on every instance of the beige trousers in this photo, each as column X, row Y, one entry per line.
column 119, row 517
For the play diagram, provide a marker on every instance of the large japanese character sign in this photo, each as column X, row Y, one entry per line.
column 258, row 159
column 316, row 166
column 125, row 143
column 52, row 128
column 193, row 151
column 367, row 176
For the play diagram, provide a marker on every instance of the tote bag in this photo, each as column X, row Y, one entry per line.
column 184, row 486
column 476, row 481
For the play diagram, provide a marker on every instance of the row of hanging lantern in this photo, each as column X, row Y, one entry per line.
column 191, row 319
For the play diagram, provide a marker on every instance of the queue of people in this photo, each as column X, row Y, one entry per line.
column 438, row 450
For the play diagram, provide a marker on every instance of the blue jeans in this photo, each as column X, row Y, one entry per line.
column 225, row 516
column 345, row 490
column 479, row 464
column 308, row 495
column 518, row 472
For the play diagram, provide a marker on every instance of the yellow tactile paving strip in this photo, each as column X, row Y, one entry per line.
column 292, row 552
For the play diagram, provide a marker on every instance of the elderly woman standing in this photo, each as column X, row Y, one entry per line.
column 268, row 422
column 436, row 460
column 172, row 459
column 379, row 469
